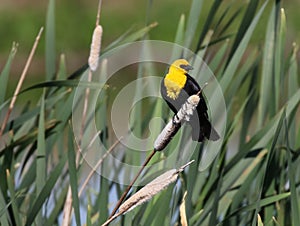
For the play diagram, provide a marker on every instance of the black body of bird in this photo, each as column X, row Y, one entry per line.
column 176, row 87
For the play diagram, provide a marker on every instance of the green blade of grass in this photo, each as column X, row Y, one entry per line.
column 65, row 83
column 46, row 191
column 50, row 41
column 5, row 72
column 64, row 115
column 4, row 215
column 217, row 61
column 73, row 177
column 292, row 88
column 251, row 106
column 213, row 219
column 41, row 164
column 134, row 36
column 11, row 189
column 206, row 41
column 266, row 104
column 54, row 215
column 217, row 40
column 28, row 139
column 211, row 182
column 179, row 39
column 103, row 201
column 62, row 70
column 230, row 178
column 292, row 183
column 247, row 178
column 231, row 19
column 248, row 19
column 209, row 156
column 27, row 179
column 208, row 22
column 263, row 202
column 6, row 163
column 267, row 163
column 261, row 138
column 221, row 18
column 237, row 56
column 192, row 22
column 293, row 73
column 115, row 42
column 245, row 69
column 27, row 118
column 279, row 55
column 89, row 216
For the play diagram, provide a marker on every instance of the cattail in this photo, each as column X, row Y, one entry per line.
column 95, row 48
column 160, row 143
column 148, row 191
column 184, row 114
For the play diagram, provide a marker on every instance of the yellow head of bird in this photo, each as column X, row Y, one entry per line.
column 181, row 65
column 176, row 78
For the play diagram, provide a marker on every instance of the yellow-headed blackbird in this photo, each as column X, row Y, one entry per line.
column 176, row 87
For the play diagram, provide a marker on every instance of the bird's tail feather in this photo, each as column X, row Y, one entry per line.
column 206, row 131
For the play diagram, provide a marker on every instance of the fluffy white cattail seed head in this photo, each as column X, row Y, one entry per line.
column 95, row 48
column 148, row 191
column 184, row 114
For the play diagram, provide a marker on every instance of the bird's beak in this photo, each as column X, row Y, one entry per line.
column 187, row 67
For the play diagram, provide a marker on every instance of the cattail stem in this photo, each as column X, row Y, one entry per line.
column 131, row 184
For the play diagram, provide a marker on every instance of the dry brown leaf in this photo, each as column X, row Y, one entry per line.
column 182, row 211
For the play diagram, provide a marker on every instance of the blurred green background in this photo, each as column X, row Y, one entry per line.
column 266, row 153
column 21, row 20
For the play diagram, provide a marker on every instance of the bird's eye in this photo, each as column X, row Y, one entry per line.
column 186, row 67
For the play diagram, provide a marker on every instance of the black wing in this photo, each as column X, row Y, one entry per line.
column 192, row 87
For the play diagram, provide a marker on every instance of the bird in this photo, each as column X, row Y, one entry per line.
column 176, row 86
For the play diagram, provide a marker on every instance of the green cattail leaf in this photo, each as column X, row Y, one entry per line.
column 263, row 202
column 50, row 41
column 41, row 163
column 73, row 177
column 217, row 61
column 4, row 214
column 292, row 182
column 208, row 22
column 266, row 104
column 11, row 189
column 192, row 22
column 5, row 72
column 280, row 36
column 179, row 39
column 248, row 19
column 45, row 192
column 293, row 86
column 58, row 207
column 237, row 56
